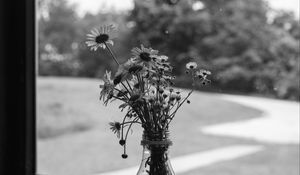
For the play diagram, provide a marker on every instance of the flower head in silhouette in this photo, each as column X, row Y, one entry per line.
column 115, row 127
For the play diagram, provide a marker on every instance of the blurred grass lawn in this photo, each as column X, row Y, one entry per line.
column 69, row 106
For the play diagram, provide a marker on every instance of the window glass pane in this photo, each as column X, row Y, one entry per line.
column 245, row 121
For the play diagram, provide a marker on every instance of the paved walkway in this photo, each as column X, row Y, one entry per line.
column 193, row 161
column 279, row 123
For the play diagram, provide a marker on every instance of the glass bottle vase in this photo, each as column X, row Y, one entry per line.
column 155, row 159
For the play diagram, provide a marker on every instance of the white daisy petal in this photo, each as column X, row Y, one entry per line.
column 96, row 47
column 138, row 50
column 93, row 32
column 97, row 31
column 92, row 40
column 102, row 45
column 110, row 42
column 105, row 30
column 90, row 35
column 135, row 52
column 113, row 27
column 101, row 30
column 90, row 43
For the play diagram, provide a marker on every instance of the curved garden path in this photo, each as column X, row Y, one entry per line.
column 278, row 124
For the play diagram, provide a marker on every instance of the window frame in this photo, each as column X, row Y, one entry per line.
column 18, row 87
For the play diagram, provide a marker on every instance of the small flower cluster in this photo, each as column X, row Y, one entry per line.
column 144, row 86
column 199, row 74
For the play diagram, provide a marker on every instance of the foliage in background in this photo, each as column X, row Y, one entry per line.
column 250, row 48
column 62, row 51
column 236, row 39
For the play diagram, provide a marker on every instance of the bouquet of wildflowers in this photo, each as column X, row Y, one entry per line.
column 144, row 86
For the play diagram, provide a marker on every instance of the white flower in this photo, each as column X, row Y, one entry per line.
column 191, row 65
column 101, row 36
column 202, row 76
column 107, row 87
column 202, row 73
column 162, row 58
column 126, row 70
column 143, row 54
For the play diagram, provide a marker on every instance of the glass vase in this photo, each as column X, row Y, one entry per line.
column 155, row 159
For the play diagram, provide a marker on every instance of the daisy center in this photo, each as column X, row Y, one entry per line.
column 102, row 38
column 145, row 56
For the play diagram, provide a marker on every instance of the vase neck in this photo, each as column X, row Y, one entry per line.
column 156, row 138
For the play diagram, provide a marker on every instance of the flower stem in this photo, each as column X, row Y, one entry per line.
column 173, row 114
column 111, row 54
column 131, row 122
column 130, row 125
column 115, row 59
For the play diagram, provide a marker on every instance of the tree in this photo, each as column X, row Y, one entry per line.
column 57, row 38
column 285, row 49
column 57, row 26
column 233, row 38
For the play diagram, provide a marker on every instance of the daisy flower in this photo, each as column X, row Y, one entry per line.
column 162, row 63
column 126, row 70
column 115, row 128
column 101, row 36
column 143, row 55
column 162, row 58
column 191, row 65
column 150, row 97
column 202, row 75
column 108, row 85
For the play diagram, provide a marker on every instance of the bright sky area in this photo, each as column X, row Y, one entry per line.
column 94, row 6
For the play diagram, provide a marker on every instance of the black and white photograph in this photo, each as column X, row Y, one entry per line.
column 150, row 87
